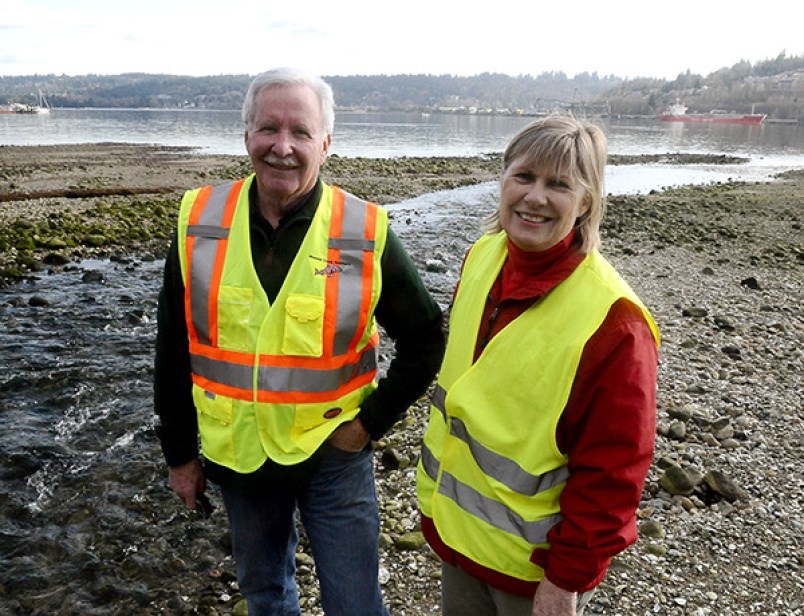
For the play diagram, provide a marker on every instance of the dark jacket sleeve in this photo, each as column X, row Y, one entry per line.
column 412, row 319
column 173, row 400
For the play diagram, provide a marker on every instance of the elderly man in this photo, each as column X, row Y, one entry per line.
column 267, row 346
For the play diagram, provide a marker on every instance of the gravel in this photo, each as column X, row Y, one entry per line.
column 720, row 518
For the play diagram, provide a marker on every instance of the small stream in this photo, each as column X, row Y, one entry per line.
column 88, row 525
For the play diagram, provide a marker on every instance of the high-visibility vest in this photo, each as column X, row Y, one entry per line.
column 491, row 472
column 276, row 379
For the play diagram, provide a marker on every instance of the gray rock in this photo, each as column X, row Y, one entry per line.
column 93, row 277
column 724, row 323
column 723, row 485
column 651, row 529
column 676, row 481
column 682, row 413
column 677, row 431
column 435, row 265
column 410, row 541
column 38, row 301
column 695, row 312
column 391, row 459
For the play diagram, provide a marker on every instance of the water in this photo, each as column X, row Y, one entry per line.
column 770, row 147
column 87, row 526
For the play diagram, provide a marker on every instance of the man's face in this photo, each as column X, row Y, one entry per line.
column 287, row 144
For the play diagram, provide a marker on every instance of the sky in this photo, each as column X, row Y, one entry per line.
column 623, row 38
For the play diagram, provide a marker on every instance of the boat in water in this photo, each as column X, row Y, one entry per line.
column 677, row 112
column 41, row 107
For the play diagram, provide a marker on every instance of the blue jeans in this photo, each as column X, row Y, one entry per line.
column 338, row 508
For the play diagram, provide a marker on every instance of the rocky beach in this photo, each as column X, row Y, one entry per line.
column 719, row 265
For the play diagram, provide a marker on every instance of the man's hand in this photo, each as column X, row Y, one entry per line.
column 187, row 480
column 550, row 600
column 351, row 436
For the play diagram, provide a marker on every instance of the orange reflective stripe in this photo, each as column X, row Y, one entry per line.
column 195, row 213
column 331, row 289
column 198, row 205
column 368, row 275
column 234, row 357
column 231, row 204
column 223, row 390
column 220, row 258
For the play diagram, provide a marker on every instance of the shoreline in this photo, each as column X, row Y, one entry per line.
column 65, row 203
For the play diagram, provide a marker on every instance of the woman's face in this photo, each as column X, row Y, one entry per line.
column 537, row 208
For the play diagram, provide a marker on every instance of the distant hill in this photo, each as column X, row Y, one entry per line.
column 774, row 87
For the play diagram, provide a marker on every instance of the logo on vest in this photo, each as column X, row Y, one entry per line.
column 330, row 269
column 333, row 412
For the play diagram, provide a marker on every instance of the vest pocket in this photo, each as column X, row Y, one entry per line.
column 212, row 405
column 234, row 312
column 215, row 426
column 304, row 325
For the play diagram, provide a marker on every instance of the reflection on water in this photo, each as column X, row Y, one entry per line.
column 392, row 134
column 765, row 140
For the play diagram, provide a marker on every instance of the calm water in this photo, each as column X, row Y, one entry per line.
column 770, row 147
column 81, row 491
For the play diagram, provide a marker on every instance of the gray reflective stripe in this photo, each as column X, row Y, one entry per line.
column 496, row 513
column 430, row 463
column 438, row 400
column 505, row 470
column 207, row 231
column 228, row 373
column 280, row 379
column 494, row 465
column 205, row 247
column 352, row 244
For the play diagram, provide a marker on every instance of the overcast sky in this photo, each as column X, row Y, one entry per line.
column 349, row 37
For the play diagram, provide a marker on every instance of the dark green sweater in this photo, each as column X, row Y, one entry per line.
column 405, row 311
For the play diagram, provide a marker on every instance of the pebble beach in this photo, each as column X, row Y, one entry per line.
column 719, row 265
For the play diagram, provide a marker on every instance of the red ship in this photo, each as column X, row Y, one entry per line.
column 678, row 113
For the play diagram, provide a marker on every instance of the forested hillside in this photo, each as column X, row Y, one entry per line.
column 774, row 87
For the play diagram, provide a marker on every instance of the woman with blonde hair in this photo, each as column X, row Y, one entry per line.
column 542, row 423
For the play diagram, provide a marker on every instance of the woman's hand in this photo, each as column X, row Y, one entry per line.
column 550, row 600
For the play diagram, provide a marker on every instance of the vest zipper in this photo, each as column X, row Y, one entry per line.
column 489, row 324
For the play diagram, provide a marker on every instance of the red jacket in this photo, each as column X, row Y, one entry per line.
column 607, row 429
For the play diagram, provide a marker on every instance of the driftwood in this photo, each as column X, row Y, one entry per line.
column 83, row 193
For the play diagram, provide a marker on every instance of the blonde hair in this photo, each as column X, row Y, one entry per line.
column 568, row 147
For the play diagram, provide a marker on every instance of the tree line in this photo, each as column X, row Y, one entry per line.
column 774, row 87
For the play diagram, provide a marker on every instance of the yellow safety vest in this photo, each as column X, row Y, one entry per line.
column 491, row 472
column 276, row 379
